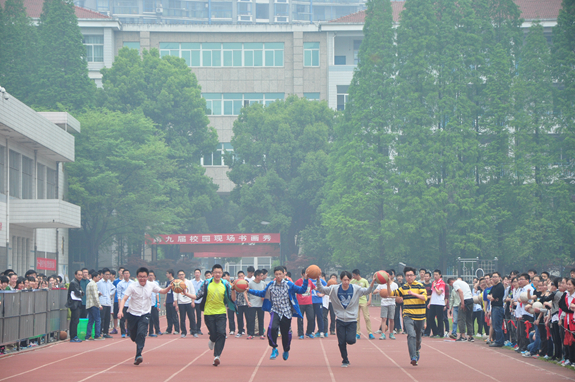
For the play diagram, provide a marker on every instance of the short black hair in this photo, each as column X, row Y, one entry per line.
column 545, row 272
column 525, row 275
column 333, row 274
column 438, row 271
column 143, row 270
column 30, row 278
column 279, row 268
column 113, row 272
column 450, row 280
column 152, row 272
column 345, row 274
column 126, row 270
column 422, row 269
column 76, row 271
column 288, row 274
column 217, row 266
column 264, row 271
column 572, row 270
column 242, row 272
column 428, row 273
column 498, row 274
column 208, row 272
column 532, row 270
column 258, row 272
column 85, row 269
column 30, row 272
column 409, row 269
column 170, row 271
column 94, row 274
column 251, row 269
column 104, row 270
column 197, row 269
column 303, row 271
column 226, row 273
column 181, row 270
column 356, row 272
column 4, row 279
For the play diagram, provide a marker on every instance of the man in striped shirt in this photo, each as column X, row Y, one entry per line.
column 414, row 296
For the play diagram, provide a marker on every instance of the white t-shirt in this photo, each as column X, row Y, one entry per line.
column 460, row 284
column 141, row 297
column 388, row 301
column 180, row 298
column 437, row 299
column 520, row 310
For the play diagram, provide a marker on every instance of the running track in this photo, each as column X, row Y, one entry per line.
column 170, row 358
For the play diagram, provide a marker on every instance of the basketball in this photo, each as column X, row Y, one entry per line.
column 537, row 307
column 399, row 300
column 63, row 335
column 331, row 282
column 477, row 299
column 381, row 277
column 178, row 286
column 383, row 293
column 313, row 272
column 523, row 297
column 241, row 286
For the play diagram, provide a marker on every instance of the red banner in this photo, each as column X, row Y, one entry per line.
column 47, row 264
column 217, row 238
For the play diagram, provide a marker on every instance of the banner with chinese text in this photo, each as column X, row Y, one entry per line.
column 217, row 238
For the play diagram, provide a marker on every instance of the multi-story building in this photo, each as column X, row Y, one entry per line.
column 34, row 215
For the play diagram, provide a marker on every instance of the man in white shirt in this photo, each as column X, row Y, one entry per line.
column 437, row 304
column 120, row 290
column 387, row 310
column 186, row 305
column 465, row 312
column 198, row 282
column 524, row 318
column 106, row 290
column 138, row 313
column 155, row 312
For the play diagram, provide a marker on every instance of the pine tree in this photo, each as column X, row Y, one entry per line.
column 17, row 50
column 62, row 76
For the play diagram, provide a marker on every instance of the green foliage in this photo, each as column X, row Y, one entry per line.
column 283, row 158
column 62, row 74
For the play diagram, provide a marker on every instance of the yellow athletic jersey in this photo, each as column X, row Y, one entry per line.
column 215, row 299
column 413, row 307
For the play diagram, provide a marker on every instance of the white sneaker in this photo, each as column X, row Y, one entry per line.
column 232, row 333
column 216, row 361
column 446, row 335
column 321, row 335
column 210, row 345
column 478, row 335
column 378, row 332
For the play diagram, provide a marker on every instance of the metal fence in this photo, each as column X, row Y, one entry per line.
column 32, row 314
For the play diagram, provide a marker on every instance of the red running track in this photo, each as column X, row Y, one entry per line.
column 170, row 358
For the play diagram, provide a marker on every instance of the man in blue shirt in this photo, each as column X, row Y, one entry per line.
column 115, row 283
column 317, row 302
column 120, row 290
column 171, row 312
column 197, row 282
column 106, row 290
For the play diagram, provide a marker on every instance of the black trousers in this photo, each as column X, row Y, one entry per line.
column 84, row 312
column 558, row 351
column 123, row 328
column 282, row 325
column 105, row 313
column 325, row 312
column 522, row 339
column 172, row 318
column 187, row 309
column 231, row 319
column 318, row 312
column 477, row 317
column 346, row 332
column 242, row 312
column 216, row 325
column 251, row 320
column 138, row 328
column 331, row 319
column 437, row 314
column 198, row 310
column 398, row 317
column 154, row 321
column 430, row 322
column 309, row 315
column 74, row 320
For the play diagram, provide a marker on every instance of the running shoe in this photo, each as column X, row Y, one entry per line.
column 357, row 336
column 183, row 335
column 263, row 337
column 344, row 364
column 75, row 339
column 470, row 339
column 250, row 338
column 332, row 333
column 460, row 339
column 414, row 361
column 321, row 335
column 216, row 361
column 210, row 345
column 153, row 335
column 325, row 335
column 274, row 354
column 123, row 336
column 378, row 331
column 417, row 355
column 310, row 335
column 391, row 336
column 285, row 355
column 98, row 338
column 383, row 336
column 195, row 335
column 371, row 337
column 453, row 336
column 232, row 333
column 89, row 339
column 238, row 335
column 114, row 331
column 176, row 332
column 301, row 337
column 138, row 360
column 107, row 336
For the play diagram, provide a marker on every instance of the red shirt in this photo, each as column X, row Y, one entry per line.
column 305, row 299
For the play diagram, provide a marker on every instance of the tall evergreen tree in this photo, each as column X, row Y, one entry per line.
column 62, row 76
column 357, row 209
column 17, row 50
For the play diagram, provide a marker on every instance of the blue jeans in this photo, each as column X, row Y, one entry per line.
column 455, row 314
column 497, row 314
column 94, row 317
column 533, row 347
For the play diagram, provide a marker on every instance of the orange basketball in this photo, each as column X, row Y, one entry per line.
column 383, row 293
column 381, row 277
column 399, row 300
column 313, row 272
column 240, row 285
column 63, row 335
column 331, row 282
column 178, row 286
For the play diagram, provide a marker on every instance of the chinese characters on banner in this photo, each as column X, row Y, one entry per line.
column 217, row 238
column 47, row 264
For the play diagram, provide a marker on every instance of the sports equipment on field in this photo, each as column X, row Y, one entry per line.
column 382, row 277
column 241, row 285
column 313, row 272
column 178, row 286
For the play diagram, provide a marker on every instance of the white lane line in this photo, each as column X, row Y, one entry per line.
column 258, row 365
column 183, row 368
column 326, row 361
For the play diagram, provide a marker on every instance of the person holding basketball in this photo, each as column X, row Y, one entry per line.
column 345, row 299
column 138, row 313
column 280, row 300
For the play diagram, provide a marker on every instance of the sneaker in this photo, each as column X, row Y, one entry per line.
column 357, row 336
column 262, row 337
column 89, row 339
column 98, row 338
column 526, row 354
column 536, row 356
column 285, row 355
column 107, row 336
column 470, row 339
column 325, row 334
column 453, row 336
column 391, row 336
column 238, row 335
column 446, row 335
column 321, row 335
column 138, row 360
column 183, row 336
column 378, row 331
column 417, row 355
column 123, row 336
column 232, row 333
column 75, row 339
column 382, row 336
column 546, row 357
column 479, row 335
column 414, row 361
column 301, row 337
column 196, row 335
column 460, row 339
column 114, row 331
column 371, row 337
column 250, row 337
column 160, row 333
column 344, row 364
column 176, row 332
column 153, row 335
column 210, row 345
column 487, row 342
column 274, row 354
column 332, row 333
column 200, row 333
column 216, row 361
column 310, row 335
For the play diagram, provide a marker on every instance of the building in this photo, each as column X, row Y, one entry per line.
column 34, row 215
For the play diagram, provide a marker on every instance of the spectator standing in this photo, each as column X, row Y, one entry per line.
column 154, row 308
column 305, row 303
column 241, row 307
column 437, row 304
column 465, row 311
column 120, row 290
column 363, row 304
column 317, row 302
column 171, row 311
column 106, row 290
column 186, row 306
column 496, row 296
column 255, row 307
column 387, row 313
column 115, row 314
column 74, row 303
column 83, row 284
column 454, row 302
column 93, row 307
column 197, row 283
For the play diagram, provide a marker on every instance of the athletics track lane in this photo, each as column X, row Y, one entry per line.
column 169, row 358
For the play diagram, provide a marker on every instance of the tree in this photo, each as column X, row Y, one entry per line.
column 62, row 76
column 282, row 164
column 356, row 208
column 18, row 47
column 165, row 90
column 118, row 180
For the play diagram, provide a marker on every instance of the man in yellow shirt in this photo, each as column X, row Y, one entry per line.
column 363, row 304
column 217, row 294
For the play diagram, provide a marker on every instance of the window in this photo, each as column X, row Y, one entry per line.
column 311, row 96
column 262, row 11
column 27, row 167
column 226, row 54
column 129, row 7
column 217, row 157
column 132, row 45
column 149, row 6
column 94, row 48
column 51, row 184
column 232, row 103
column 2, row 185
column 342, row 93
column 14, row 174
column 339, row 60
column 102, row 5
column 311, row 54
column 40, row 175
column 244, row 9
column 356, row 44
column 222, row 10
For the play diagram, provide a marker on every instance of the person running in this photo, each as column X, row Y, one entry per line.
column 280, row 300
column 345, row 298
column 387, row 310
column 414, row 297
column 217, row 295
column 138, row 313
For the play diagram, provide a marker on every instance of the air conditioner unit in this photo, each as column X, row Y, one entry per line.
column 159, row 10
column 282, row 1
column 282, row 19
column 245, row 18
